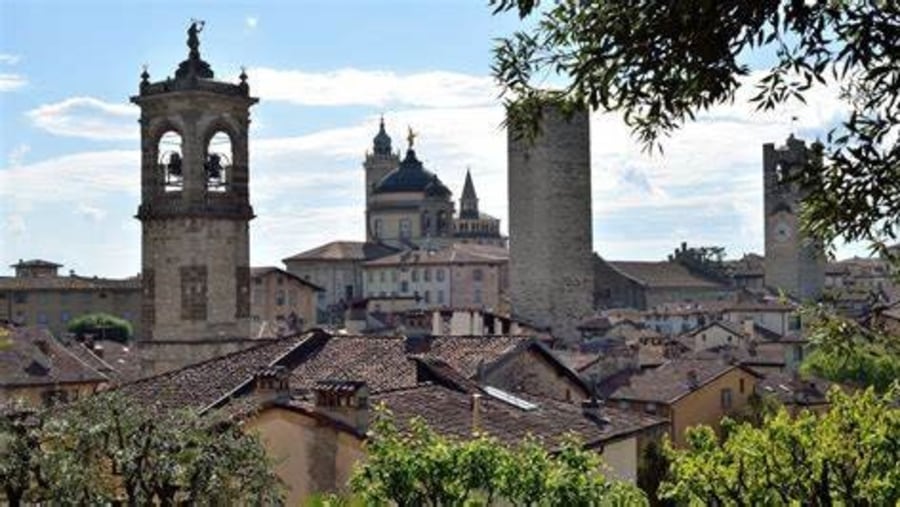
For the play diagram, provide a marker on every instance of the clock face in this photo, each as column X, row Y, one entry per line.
column 782, row 231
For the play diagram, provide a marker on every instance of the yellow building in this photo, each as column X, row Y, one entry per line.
column 688, row 392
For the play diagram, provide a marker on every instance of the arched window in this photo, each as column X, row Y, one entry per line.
column 217, row 163
column 171, row 161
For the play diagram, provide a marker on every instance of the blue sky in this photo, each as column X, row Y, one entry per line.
column 325, row 71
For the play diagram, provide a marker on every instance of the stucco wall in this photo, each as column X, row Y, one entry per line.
column 621, row 457
column 309, row 457
column 704, row 406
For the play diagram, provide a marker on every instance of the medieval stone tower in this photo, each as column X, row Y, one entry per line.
column 795, row 263
column 195, row 213
column 377, row 165
column 550, row 267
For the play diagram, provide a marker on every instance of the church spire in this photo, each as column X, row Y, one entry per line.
column 468, row 202
column 382, row 141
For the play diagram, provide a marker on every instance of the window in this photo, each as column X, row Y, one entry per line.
column 382, row 275
column 42, row 319
column 477, row 274
column 476, row 297
column 439, row 274
column 377, row 228
column 405, row 228
column 279, row 298
column 64, row 317
column 415, row 275
column 292, row 297
column 370, row 277
column 20, row 297
column 440, row 297
column 427, row 296
column 404, row 287
column 798, row 353
column 280, row 280
column 348, row 292
column 426, row 274
column 726, row 399
column 741, row 386
column 258, row 280
column 394, row 276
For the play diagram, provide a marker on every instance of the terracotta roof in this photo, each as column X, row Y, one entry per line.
column 449, row 413
column 457, row 253
column 382, row 362
column 670, row 381
column 32, row 357
column 596, row 323
column 35, row 263
column 68, row 283
column 576, row 360
column 201, row 385
column 260, row 271
column 343, row 250
column 119, row 361
column 792, row 390
column 663, row 274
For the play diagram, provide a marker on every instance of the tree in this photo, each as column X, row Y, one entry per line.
column 660, row 62
column 848, row 456
column 107, row 449
column 846, row 352
column 419, row 467
column 101, row 326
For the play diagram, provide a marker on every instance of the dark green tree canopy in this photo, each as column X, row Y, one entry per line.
column 660, row 62
column 101, row 326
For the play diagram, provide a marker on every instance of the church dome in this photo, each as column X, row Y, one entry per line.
column 411, row 176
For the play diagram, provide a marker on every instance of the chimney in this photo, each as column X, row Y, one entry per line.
column 272, row 384
column 692, row 379
column 98, row 350
column 749, row 328
column 346, row 401
column 475, row 407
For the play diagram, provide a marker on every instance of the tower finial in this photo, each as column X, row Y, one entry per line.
column 411, row 137
column 194, row 65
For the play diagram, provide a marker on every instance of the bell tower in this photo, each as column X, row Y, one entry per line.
column 794, row 262
column 194, row 212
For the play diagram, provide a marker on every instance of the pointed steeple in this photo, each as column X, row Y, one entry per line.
column 382, row 141
column 468, row 202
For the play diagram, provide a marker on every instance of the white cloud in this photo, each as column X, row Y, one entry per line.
column 92, row 213
column 308, row 189
column 11, row 82
column 252, row 22
column 87, row 117
column 14, row 224
column 372, row 88
column 17, row 154
column 9, row 59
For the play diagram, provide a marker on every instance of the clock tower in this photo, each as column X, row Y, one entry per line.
column 794, row 262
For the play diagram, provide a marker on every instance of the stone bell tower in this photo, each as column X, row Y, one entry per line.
column 794, row 262
column 195, row 213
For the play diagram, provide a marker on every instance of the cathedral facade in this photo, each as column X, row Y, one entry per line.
column 408, row 206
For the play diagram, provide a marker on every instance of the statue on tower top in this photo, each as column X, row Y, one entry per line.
column 194, row 65
column 411, row 137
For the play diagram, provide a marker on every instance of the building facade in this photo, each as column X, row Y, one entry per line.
column 281, row 303
column 458, row 276
column 194, row 212
column 551, row 269
column 795, row 263
column 38, row 296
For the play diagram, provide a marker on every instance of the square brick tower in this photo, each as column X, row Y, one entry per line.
column 195, row 213
column 550, row 236
column 795, row 263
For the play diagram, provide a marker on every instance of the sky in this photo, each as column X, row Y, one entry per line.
column 325, row 71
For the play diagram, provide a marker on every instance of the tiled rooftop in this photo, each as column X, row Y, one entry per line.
column 31, row 357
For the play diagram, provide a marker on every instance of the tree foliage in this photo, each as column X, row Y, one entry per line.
column 844, row 351
column 105, row 449
column 101, row 326
column 417, row 467
column 848, row 456
column 660, row 62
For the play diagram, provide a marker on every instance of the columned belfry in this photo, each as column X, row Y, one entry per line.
column 195, row 213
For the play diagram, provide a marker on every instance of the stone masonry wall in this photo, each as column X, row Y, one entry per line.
column 551, row 272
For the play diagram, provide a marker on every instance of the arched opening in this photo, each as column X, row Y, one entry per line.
column 171, row 161
column 218, row 162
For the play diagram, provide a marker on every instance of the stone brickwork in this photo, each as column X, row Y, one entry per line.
column 794, row 262
column 195, row 212
column 529, row 373
column 551, row 271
